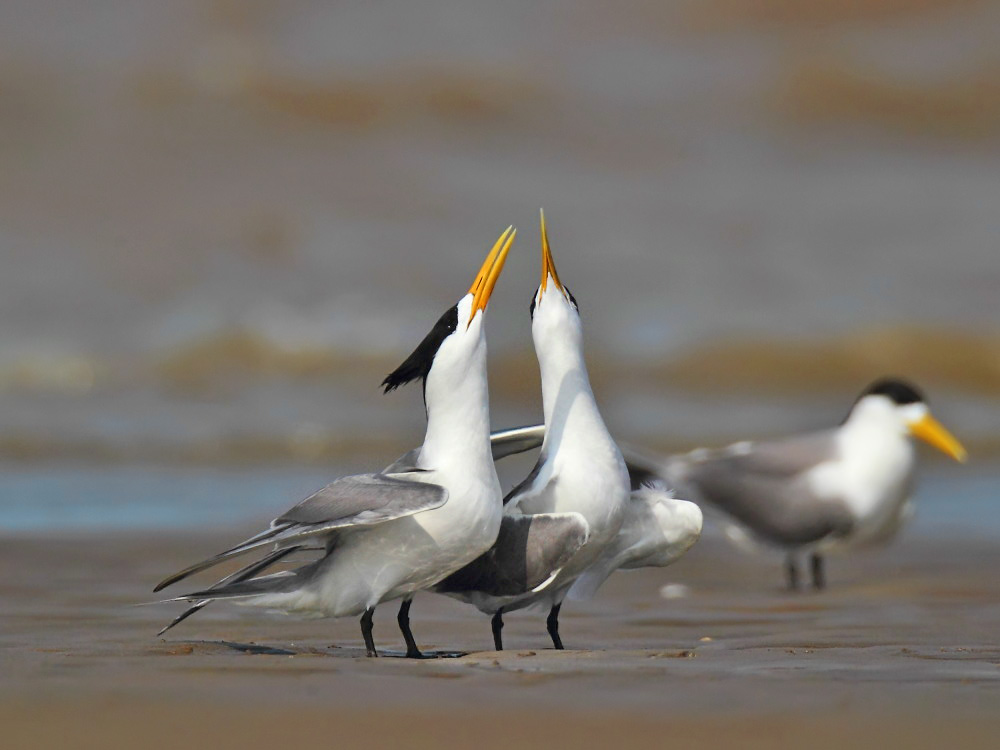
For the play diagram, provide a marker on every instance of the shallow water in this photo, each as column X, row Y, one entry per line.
column 959, row 502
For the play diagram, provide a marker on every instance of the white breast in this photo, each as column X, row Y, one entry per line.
column 872, row 477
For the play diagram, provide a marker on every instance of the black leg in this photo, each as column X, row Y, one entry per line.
column 791, row 574
column 403, row 618
column 819, row 575
column 552, row 623
column 497, row 624
column 366, row 631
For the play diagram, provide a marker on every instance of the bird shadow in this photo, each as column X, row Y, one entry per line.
column 260, row 649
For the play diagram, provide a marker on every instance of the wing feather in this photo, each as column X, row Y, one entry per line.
column 358, row 500
column 765, row 487
column 516, row 440
column 529, row 550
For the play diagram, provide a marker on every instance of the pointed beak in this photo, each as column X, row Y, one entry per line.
column 486, row 279
column 548, row 265
column 934, row 433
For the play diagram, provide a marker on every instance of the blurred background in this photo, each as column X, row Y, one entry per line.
column 223, row 222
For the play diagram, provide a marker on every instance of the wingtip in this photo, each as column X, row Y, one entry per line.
column 166, row 582
column 544, row 584
column 182, row 617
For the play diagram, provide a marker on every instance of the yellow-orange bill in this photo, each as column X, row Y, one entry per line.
column 488, row 263
column 496, row 259
column 934, row 433
column 548, row 265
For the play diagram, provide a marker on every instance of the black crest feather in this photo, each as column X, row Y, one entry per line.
column 899, row 391
column 418, row 364
column 531, row 307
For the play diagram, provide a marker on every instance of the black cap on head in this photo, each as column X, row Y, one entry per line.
column 898, row 391
column 418, row 364
column 531, row 307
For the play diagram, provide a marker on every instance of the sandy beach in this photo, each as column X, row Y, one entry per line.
column 903, row 648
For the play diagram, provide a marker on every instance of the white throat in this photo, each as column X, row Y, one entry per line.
column 457, row 399
column 568, row 404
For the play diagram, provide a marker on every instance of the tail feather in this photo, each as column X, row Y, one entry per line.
column 255, row 541
column 286, row 580
column 239, row 576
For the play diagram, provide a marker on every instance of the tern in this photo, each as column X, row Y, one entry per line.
column 822, row 492
column 389, row 534
column 658, row 528
column 580, row 481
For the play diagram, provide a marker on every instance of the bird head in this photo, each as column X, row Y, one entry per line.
column 458, row 335
column 903, row 406
column 555, row 316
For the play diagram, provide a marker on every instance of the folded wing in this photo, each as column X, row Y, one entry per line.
column 352, row 501
column 528, row 552
column 766, row 487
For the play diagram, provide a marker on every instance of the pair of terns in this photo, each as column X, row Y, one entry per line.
column 436, row 518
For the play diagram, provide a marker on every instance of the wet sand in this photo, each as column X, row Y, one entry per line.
column 904, row 648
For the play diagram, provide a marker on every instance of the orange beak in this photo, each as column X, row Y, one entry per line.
column 548, row 265
column 489, row 272
column 933, row 432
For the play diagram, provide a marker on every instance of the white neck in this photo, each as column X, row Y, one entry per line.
column 875, row 417
column 458, row 417
column 877, row 460
column 571, row 413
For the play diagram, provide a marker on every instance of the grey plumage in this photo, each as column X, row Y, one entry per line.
column 287, row 580
column 764, row 486
column 516, row 440
column 242, row 574
column 358, row 500
column 528, row 550
column 363, row 499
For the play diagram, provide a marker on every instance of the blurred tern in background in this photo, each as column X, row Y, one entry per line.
column 822, row 492
column 580, row 480
column 390, row 534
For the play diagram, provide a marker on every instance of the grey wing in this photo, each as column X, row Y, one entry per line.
column 641, row 467
column 363, row 499
column 243, row 574
column 516, row 440
column 764, row 486
column 358, row 500
column 529, row 550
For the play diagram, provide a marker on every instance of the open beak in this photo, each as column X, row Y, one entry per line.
column 486, row 279
column 933, row 432
column 548, row 265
